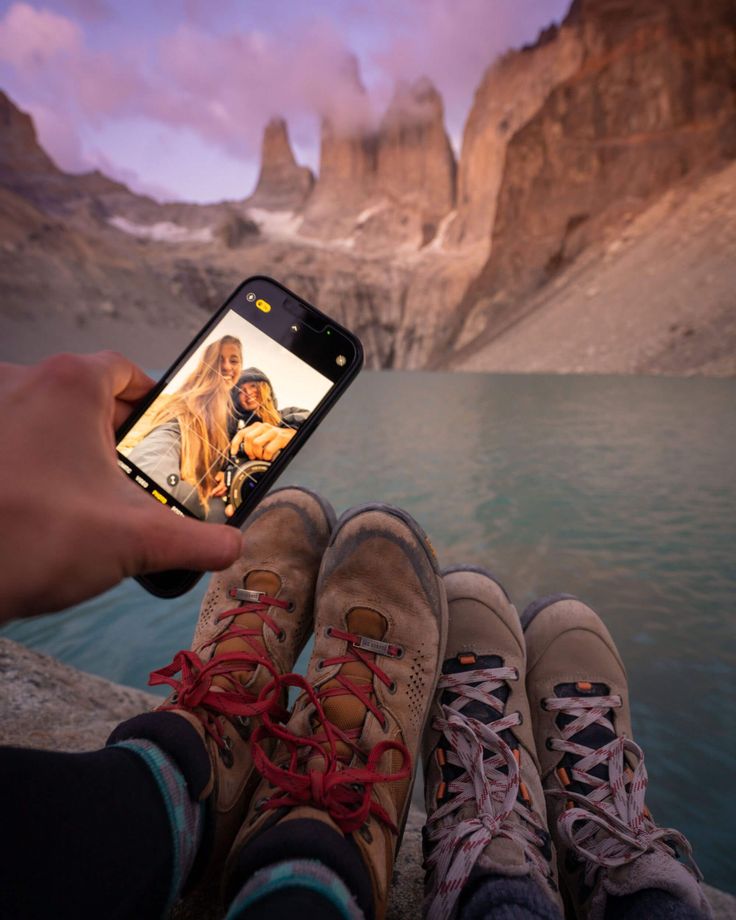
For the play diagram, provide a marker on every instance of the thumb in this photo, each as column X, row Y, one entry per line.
column 167, row 541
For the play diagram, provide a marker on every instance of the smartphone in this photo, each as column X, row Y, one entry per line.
column 229, row 415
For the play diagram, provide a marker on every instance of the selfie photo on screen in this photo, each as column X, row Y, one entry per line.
column 223, row 418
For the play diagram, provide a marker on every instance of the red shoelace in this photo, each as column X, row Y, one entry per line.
column 344, row 791
column 194, row 691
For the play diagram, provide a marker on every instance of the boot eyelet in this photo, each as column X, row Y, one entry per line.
column 365, row 833
column 226, row 752
column 291, row 608
column 320, row 664
column 548, row 744
column 392, row 687
column 521, row 718
column 281, row 635
column 400, row 652
column 174, row 697
column 328, row 631
column 543, row 705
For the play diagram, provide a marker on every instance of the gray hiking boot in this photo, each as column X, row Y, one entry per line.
column 484, row 799
column 592, row 771
column 254, row 620
column 346, row 757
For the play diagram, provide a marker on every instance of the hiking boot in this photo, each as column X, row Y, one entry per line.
column 254, row 620
column 592, row 771
column 484, row 799
column 346, row 757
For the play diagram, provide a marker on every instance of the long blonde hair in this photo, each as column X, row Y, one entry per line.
column 201, row 407
column 267, row 411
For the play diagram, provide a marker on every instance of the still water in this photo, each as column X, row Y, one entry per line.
column 619, row 490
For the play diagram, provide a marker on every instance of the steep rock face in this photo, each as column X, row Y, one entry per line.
column 282, row 185
column 511, row 92
column 346, row 183
column 20, row 153
column 653, row 99
column 415, row 164
column 389, row 186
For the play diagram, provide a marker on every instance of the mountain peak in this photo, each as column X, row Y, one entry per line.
column 282, row 185
column 20, row 152
column 417, row 102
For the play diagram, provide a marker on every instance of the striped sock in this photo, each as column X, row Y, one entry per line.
column 186, row 817
column 296, row 875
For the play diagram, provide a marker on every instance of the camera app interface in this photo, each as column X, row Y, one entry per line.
column 232, row 407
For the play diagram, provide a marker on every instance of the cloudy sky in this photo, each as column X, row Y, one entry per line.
column 171, row 96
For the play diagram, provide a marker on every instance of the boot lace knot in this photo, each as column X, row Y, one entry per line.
column 483, row 799
column 196, row 691
column 327, row 767
column 610, row 824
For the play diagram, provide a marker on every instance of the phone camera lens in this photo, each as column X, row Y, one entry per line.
column 250, row 296
column 341, row 360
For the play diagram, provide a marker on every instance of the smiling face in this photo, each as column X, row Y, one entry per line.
column 249, row 396
column 231, row 363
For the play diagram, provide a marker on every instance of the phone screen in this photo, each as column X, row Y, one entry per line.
column 235, row 402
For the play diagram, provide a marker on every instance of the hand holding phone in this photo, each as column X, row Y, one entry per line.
column 72, row 525
column 235, row 408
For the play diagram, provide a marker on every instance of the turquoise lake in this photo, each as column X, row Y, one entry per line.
column 619, row 490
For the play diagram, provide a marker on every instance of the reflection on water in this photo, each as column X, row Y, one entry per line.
column 619, row 490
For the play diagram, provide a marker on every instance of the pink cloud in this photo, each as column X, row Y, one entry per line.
column 224, row 87
column 32, row 39
column 99, row 160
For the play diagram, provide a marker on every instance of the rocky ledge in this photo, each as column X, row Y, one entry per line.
column 46, row 704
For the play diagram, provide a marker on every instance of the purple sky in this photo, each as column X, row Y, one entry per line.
column 172, row 96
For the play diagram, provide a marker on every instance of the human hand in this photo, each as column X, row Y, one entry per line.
column 261, row 441
column 73, row 524
column 217, row 491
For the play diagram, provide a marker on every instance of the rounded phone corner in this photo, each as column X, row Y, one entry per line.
column 169, row 584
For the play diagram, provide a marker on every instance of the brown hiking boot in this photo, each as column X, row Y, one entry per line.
column 254, row 620
column 592, row 771
column 484, row 799
column 346, row 757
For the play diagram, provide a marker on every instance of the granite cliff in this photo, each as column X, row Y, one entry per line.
column 572, row 146
column 651, row 101
column 282, row 184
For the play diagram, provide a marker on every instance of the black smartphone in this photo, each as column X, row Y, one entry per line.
column 227, row 417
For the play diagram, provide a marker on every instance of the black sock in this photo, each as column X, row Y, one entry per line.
column 80, row 831
column 505, row 898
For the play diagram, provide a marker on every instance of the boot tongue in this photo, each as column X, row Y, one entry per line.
column 346, row 711
column 257, row 580
column 473, row 709
column 593, row 736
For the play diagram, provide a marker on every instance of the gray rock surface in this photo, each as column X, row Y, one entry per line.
column 49, row 705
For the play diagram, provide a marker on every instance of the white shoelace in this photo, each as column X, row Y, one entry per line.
column 458, row 844
column 609, row 826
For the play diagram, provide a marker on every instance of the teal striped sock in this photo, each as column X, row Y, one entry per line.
column 186, row 817
column 296, row 873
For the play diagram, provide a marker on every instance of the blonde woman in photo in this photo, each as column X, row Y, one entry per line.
column 182, row 441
